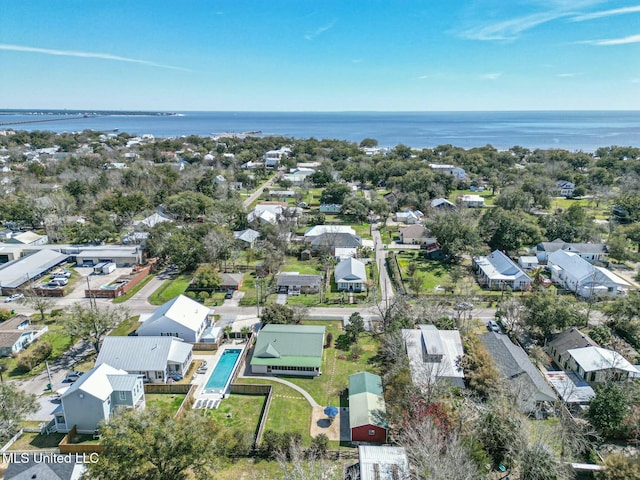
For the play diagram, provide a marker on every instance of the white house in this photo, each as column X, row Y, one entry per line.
column 457, row 172
column 351, row 275
column 318, row 230
column 409, row 217
column 434, row 355
column 574, row 273
column 472, row 201
column 591, row 252
column 498, row 271
column 565, row 188
column 95, row 396
column 154, row 358
column 298, row 175
column 442, row 203
column 528, row 262
column 181, row 317
column 598, row 365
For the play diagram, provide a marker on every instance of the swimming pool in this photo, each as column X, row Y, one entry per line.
column 219, row 379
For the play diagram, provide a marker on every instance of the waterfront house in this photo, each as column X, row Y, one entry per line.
column 181, row 317
column 367, row 409
column 96, row 396
column 288, row 350
column 154, row 358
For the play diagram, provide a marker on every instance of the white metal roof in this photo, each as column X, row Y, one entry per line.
column 181, row 310
column 14, row 274
column 592, row 359
column 383, row 463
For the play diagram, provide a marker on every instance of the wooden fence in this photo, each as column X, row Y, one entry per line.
column 188, row 402
column 167, row 387
column 65, row 445
column 256, row 389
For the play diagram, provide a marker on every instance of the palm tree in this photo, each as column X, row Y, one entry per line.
column 245, row 331
column 227, row 332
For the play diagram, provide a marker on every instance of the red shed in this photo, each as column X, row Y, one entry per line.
column 367, row 409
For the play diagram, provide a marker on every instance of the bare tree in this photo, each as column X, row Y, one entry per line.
column 39, row 302
column 298, row 464
column 511, row 314
column 93, row 324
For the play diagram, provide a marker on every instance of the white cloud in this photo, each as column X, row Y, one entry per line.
column 510, row 29
column 73, row 53
column 614, row 41
column 566, row 75
column 606, row 13
column 491, row 76
column 320, row 30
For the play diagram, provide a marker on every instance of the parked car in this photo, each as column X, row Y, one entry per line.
column 62, row 274
column 492, row 326
column 229, row 294
column 14, row 297
column 72, row 377
column 176, row 377
column 59, row 281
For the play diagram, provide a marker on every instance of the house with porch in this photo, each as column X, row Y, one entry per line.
column 598, row 365
column 565, row 188
column 294, row 283
column 96, row 396
column 351, row 275
column 288, row 350
column 591, row 252
column 154, row 358
column 497, row 271
column 180, row 317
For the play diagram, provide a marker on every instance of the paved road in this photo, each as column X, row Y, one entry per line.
column 386, row 289
column 254, row 196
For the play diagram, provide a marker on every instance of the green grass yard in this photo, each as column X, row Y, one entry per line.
column 35, row 441
column 165, row 401
column 134, row 290
column 170, row 289
column 239, row 412
column 126, row 327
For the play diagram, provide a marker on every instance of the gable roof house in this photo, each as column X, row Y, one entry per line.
column 181, row 317
column 154, row 358
column 288, row 350
column 15, row 335
column 558, row 347
column 351, row 275
column 434, row 355
column 472, row 201
column 497, row 271
column 367, row 409
column 96, row 396
column 415, row 235
column 333, row 241
column 409, row 217
column 230, row 281
column 591, row 252
column 151, row 221
column 456, row 172
column 318, row 230
column 574, row 273
column 443, row 204
column 565, row 188
column 273, row 212
column 247, row 238
column 293, row 283
column 597, row 365
column 522, row 376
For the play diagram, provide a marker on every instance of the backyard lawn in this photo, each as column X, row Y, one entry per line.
column 244, row 411
column 306, row 267
column 168, row 401
column 126, row 327
column 170, row 289
column 34, row 441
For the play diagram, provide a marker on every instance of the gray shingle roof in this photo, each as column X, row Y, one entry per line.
column 571, row 338
column 336, row 240
column 40, row 470
column 290, row 278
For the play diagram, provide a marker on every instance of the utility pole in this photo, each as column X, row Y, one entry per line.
column 49, row 375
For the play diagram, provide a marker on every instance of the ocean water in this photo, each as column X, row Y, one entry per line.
column 571, row 130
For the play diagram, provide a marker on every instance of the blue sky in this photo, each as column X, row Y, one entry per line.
column 323, row 55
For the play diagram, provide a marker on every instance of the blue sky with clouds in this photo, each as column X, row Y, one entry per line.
column 299, row 55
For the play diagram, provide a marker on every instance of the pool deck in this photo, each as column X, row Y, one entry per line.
column 210, row 400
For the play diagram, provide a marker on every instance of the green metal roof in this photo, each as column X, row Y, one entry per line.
column 365, row 382
column 289, row 345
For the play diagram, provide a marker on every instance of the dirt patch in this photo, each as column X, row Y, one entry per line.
column 337, row 430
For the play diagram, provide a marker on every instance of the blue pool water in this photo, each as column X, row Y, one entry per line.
column 219, row 378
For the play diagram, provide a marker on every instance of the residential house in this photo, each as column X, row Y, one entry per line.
column 573, row 390
column 565, row 188
column 434, row 355
column 318, row 230
column 272, row 157
column 409, row 217
column 367, row 409
column 293, row 283
column 41, row 466
column 528, row 262
column 472, row 201
column 524, row 380
column 288, row 350
column 351, row 275
column 282, row 194
column 230, row 281
column 572, row 272
column 414, row 235
column 150, row 221
column 96, row 396
column 247, row 238
column 597, row 365
column 443, row 204
column 330, row 208
column 298, row 175
column 273, row 212
column 382, row 462
column 561, row 343
column 497, row 271
column 456, row 172
column 591, row 252
column 15, row 335
column 155, row 358
column 334, row 241
column 180, row 317
column 28, row 238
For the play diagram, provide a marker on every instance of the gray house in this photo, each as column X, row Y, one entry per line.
column 41, row 466
column 96, row 396
column 351, row 275
column 155, row 358
column 293, row 283
column 15, row 335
